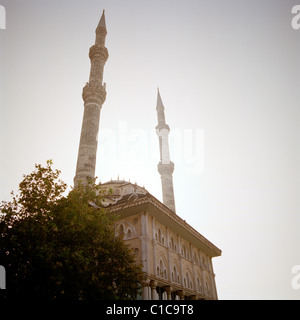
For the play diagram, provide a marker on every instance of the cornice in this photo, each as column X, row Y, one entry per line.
column 168, row 214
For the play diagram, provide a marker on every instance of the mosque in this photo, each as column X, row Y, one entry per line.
column 176, row 258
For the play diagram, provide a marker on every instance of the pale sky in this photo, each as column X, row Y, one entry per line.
column 228, row 73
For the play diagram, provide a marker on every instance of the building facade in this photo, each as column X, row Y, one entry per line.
column 177, row 259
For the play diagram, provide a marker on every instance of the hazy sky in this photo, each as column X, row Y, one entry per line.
column 228, row 73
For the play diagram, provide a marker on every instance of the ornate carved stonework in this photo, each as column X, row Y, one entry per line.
column 94, row 94
column 166, row 168
column 98, row 52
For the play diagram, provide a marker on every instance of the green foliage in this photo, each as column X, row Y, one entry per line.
column 63, row 247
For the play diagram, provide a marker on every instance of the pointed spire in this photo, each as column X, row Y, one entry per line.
column 160, row 112
column 102, row 21
column 159, row 103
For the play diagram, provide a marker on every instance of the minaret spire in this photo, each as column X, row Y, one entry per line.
column 102, row 21
column 165, row 166
column 94, row 95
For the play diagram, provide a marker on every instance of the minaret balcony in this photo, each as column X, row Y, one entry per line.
column 94, row 94
column 99, row 52
column 162, row 126
column 165, row 168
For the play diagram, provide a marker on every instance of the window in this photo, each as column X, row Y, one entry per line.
column 125, row 231
column 160, row 237
column 161, row 270
column 207, row 288
column 172, row 244
column 188, row 280
column 161, row 266
column 199, row 287
column 175, row 276
column 195, row 258
column 121, row 231
column 183, row 251
column 129, row 234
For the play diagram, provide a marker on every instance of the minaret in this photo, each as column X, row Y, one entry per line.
column 93, row 95
column 165, row 166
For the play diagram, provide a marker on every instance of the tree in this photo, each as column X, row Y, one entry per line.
column 63, row 247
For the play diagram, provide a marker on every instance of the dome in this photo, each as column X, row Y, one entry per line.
column 119, row 190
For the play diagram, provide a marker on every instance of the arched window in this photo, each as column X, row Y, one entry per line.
column 129, row 234
column 187, row 279
column 175, row 275
column 196, row 259
column 172, row 244
column 125, row 231
column 161, row 267
column 207, row 288
column 121, row 231
column 161, row 270
column 199, row 286
column 183, row 251
column 159, row 235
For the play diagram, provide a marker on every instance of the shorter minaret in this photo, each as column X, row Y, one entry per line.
column 165, row 166
column 93, row 95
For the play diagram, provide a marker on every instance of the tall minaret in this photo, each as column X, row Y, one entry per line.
column 165, row 166
column 93, row 95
